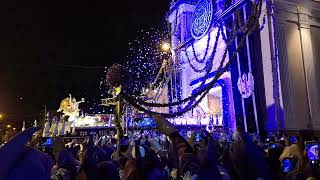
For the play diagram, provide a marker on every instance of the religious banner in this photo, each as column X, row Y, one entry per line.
column 246, row 85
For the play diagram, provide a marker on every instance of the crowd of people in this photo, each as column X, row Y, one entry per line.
column 161, row 154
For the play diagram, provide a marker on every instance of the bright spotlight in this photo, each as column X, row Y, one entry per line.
column 165, row 46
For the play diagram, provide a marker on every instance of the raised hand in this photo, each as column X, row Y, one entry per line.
column 163, row 125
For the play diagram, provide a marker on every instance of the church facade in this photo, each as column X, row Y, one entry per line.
column 273, row 81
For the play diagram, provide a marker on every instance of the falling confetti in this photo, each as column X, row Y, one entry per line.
column 144, row 59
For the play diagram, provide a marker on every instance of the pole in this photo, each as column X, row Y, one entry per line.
column 250, row 70
column 45, row 111
column 118, row 117
column 242, row 100
column 304, row 67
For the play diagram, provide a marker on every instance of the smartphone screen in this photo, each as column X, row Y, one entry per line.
column 293, row 139
column 312, row 149
column 47, row 142
column 272, row 146
column 287, row 165
column 197, row 137
column 146, row 123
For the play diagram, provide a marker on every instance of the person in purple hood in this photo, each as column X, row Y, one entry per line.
column 21, row 161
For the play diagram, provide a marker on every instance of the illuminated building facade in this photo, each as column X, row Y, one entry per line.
column 273, row 82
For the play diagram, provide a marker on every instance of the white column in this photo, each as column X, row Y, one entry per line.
column 250, row 71
column 309, row 65
column 267, row 51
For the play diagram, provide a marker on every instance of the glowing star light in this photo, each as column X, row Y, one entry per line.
column 165, row 47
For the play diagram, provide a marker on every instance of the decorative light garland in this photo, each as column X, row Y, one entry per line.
column 205, row 53
column 203, row 91
column 190, row 106
column 208, row 66
column 190, row 97
column 250, row 26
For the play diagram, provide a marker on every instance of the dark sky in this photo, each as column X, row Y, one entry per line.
column 38, row 36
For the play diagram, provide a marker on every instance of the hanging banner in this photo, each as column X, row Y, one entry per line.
column 246, row 85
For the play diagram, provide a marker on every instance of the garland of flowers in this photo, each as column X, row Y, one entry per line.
column 205, row 53
column 205, row 77
column 139, row 105
column 193, row 67
column 207, row 67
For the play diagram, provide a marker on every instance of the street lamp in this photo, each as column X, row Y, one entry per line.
column 165, row 47
column 1, row 116
column 9, row 126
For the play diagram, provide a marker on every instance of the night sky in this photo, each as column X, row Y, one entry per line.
column 39, row 38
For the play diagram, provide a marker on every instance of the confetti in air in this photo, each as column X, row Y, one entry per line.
column 144, row 59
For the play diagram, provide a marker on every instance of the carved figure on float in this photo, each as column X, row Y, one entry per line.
column 70, row 107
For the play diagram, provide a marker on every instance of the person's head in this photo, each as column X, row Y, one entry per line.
column 294, row 153
column 108, row 151
column 65, row 159
column 99, row 154
column 156, row 174
column 152, row 169
column 107, row 171
column 113, row 141
column 203, row 157
column 64, row 156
